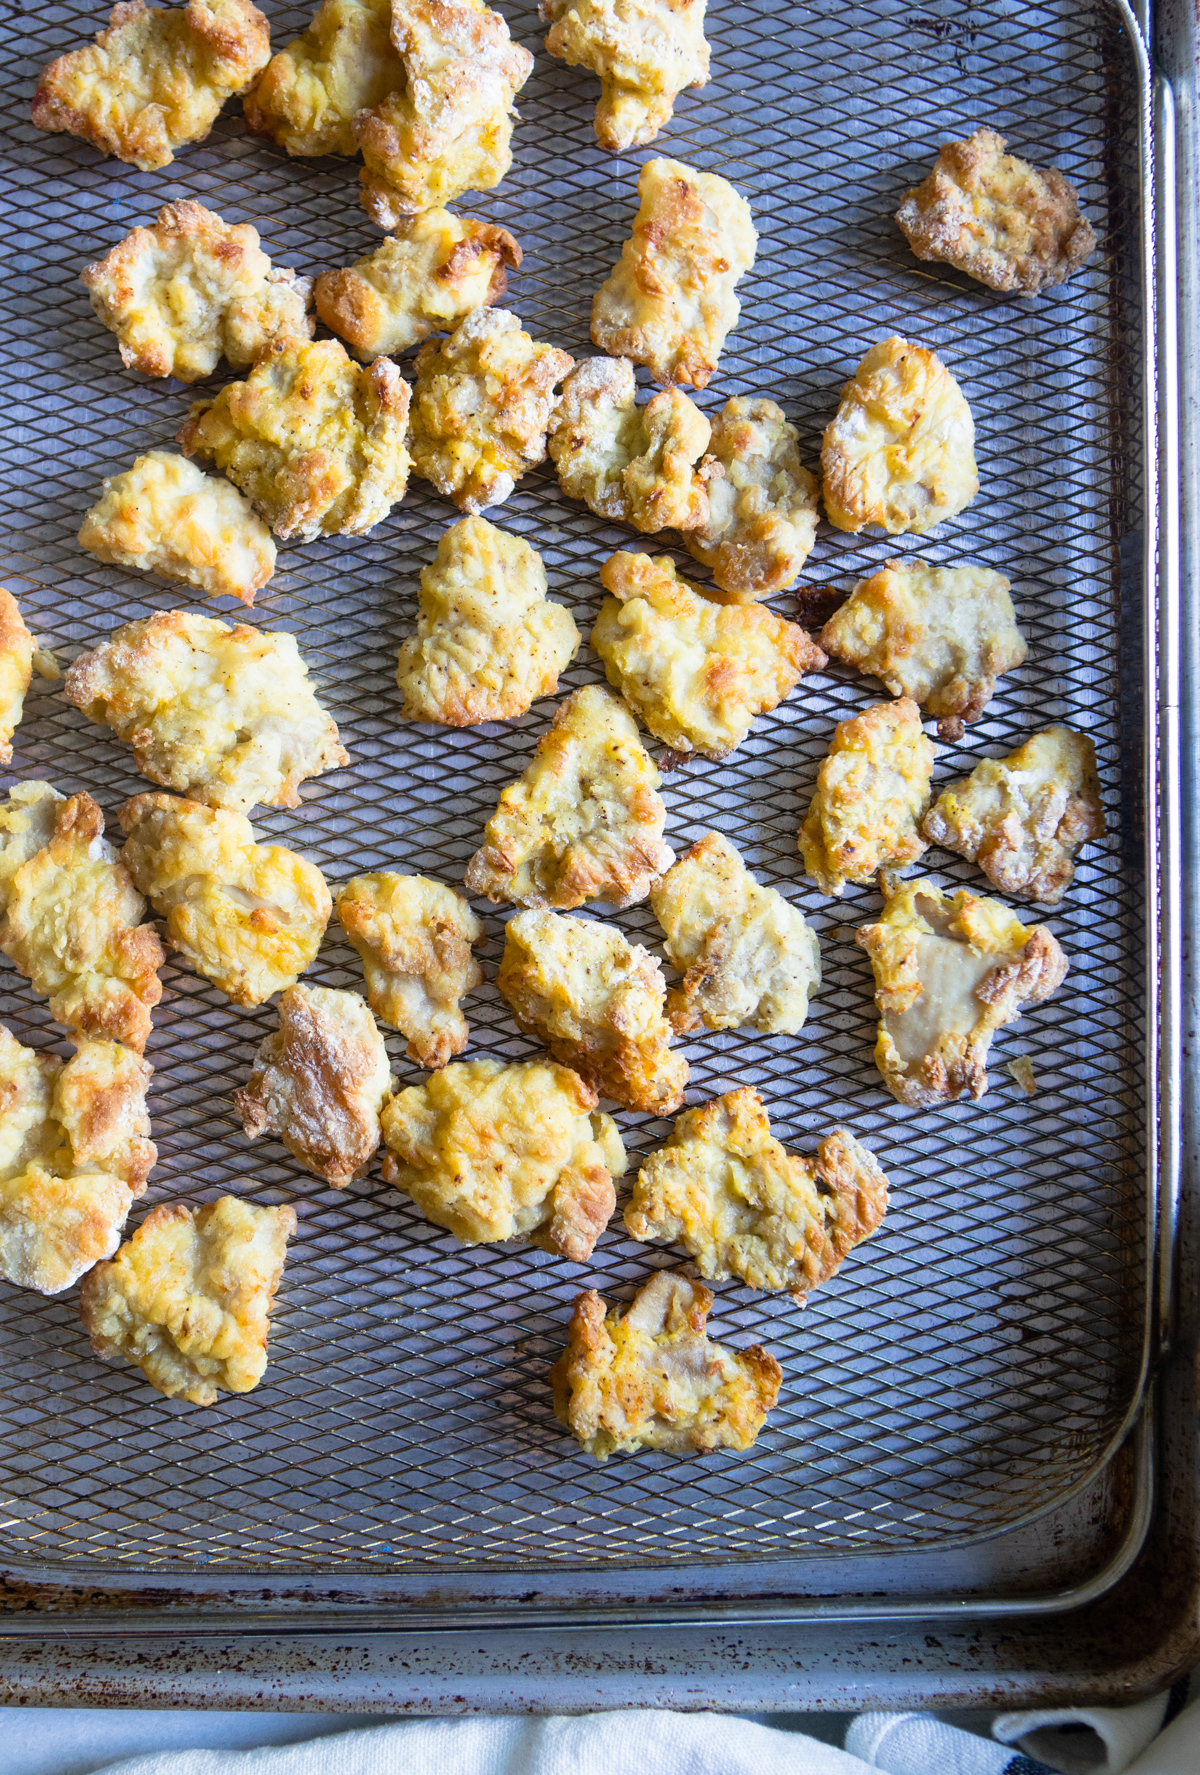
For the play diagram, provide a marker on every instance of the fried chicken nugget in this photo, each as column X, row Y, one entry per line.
column 414, row 937
column 489, row 642
column 73, row 1156
column 900, row 451
column 427, row 277
column 70, row 916
column 482, row 403
column 872, row 792
column 636, row 465
column 224, row 715
column 696, row 672
column 249, row 917
column 155, row 79
column 644, row 51
column 597, row 1002
column 307, row 97
column 496, row 1152
column 1022, row 818
column 746, row 954
column 950, row 970
column 187, row 1299
column 651, row 1378
column 742, row 1205
column 996, row 217
column 669, row 301
column 584, row 821
column 317, row 444
column 19, row 655
column 762, row 520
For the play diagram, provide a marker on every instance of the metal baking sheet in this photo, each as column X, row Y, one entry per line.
column 980, row 1359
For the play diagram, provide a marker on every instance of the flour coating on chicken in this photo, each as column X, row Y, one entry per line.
column 187, row 1299
column 669, row 302
column 489, row 642
column 872, row 792
column 762, row 519
column 247, row 916
column 643, row 51
column 495, row 1152
column 650, row 1377
column 584, row 822
column 311, row 91
column 598, row 1003
column 19, row 654
column 414, row 937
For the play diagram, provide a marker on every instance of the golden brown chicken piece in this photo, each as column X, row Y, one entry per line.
column 872, row 792
column 414, row 937
column 644, row 51
column 310, row 92
column 19, row 655
column 762, row 518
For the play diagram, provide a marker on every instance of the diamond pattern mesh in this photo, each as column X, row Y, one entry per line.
column 978, row 1357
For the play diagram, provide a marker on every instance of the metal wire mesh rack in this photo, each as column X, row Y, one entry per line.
column 978, row 1358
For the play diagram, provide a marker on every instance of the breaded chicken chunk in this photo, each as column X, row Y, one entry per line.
column 496, row 1152
column 940, row 635
column 644, row 51
column 872, row 793
column 597, row 1001
column 19, row 655
column 643, row 466
column 489, row 642
column 193, row 289
column 651, row 1378
column 996, row 217
column 742, row 1205
column 950, row 970
column 317, row 444
column 165, row 515
column 481, row 405
column 696, row 672
column 71, row 916
column 448, row 127
column 309, row 94
column 746, row 954
column 414, row 937
column 187, row 1299
column 155, row 79
column 669, row 301
column 584, row 822
column 319, row 1083
column 900, row 452
column 1022, row 818
column 73, row 1156
column 762, row 518
column 224, row 715
column 425, row 278
column 249, row 917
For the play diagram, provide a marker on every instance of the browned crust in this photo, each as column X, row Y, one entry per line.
column 584, row 1201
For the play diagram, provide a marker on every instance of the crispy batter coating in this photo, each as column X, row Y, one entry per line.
column 900, row 452
column 746, row 954
column 872, row 791
column 940, row 635
column 996, row 217
column 489, row 642
column 651, row 1378
column 414, row 937
column 597, row 1002
column 950, row 970
column 497, row 1152
column 73, row 1155
column 192, row 289
column 584, row 822
column 165, row 515
column 18, row 650
column 319, row 1083
column 636, row 465
column 742, row 1205
column 644, row 51
column 317, row 444
column 71, row 916
column 669, row 303
column 762, row 518
column 447, row 129
column 482, row 403
column 1022, row 818
column 427, row 277
column 696, row 672
column 249, row 917
column 155, row 79
column 224, row 715
column 309, row 94
column 187, row 1299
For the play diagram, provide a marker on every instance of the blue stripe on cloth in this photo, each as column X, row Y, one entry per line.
column 919, row 1744
column 1023, row 1765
